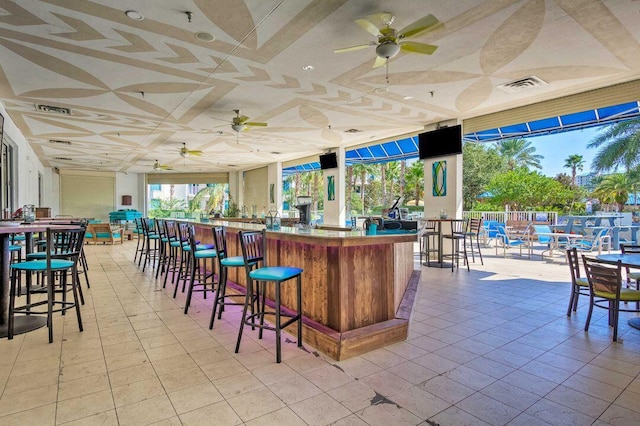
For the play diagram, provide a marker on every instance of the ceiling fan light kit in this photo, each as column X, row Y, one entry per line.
column 387, row 49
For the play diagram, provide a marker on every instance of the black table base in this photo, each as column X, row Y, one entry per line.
column 24, row 324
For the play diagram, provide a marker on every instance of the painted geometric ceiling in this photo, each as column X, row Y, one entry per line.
column 136, row 90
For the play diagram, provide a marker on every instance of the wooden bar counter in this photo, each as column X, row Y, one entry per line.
column 354, row 293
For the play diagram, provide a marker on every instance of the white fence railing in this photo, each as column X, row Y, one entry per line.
column 526, row 216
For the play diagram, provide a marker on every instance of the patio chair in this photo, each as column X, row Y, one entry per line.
column 491, row 230
column 579, row 284
column 502, row 236
column 605, row 288
column 631, row 249
column 599, row 239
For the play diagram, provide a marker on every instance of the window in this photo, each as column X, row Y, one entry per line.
column 155, row 187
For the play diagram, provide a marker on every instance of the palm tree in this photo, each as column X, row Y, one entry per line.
column 518, row 153
column 363, row 170
column 575, row 163
column 619, row 146
column 415, row 181
column 614, row 188
column 213, row 195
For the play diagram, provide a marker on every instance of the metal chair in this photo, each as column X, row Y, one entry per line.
column 474, row 231
column 458, row 235
column 225, row 262
column 61, row 259
column 253, row 245
column 198, row 267
column 507, row 242
column 579, row 285
column 427, row 235
column 606, row 291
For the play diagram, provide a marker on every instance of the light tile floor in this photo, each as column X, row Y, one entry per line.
column 492, row 346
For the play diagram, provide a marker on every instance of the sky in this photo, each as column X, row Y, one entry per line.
column 557, row 147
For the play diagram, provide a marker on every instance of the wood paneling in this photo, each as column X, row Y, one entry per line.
column 351, row 286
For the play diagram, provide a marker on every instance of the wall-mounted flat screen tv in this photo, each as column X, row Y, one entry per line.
column 441, row 142
column 328, row 161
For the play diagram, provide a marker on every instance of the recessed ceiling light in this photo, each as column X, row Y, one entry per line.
column 205, row 36
column 308, row 68
column 135, row 15
column 381, row 89
column 406, row 98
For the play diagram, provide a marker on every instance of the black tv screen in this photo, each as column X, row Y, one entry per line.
column 328, row 161
column 441, row 142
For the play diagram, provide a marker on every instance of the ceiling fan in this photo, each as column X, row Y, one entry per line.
column 391, row 41
column 241, row 122
column 160, row 167
column 184, row 152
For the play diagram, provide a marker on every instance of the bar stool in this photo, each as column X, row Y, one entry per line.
column 475, row 225
column 185, row 255
column 225, row 262
column 150, row 236
column 458, row 235
column 427, row 236
column 139, row 231
column 61, row 258
column 253, row 245
column 163, row 245
column 196, row 256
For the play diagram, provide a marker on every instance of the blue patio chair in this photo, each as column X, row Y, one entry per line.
column 599, row 239
column 507, row 242
column 491, row 230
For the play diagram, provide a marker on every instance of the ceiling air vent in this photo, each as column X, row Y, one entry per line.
column 60, row 141
column 522, row 84
column 63, row 158
column 352, row 131
column 51, row 108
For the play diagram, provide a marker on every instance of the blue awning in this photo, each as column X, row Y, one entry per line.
column 408, row 147
column 562, row 123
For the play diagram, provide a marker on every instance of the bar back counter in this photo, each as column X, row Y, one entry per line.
column 357, row 290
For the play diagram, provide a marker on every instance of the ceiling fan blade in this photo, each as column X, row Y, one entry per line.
column 368, row 27
column 379, row 62
column 429, row 22
column 242, row 119
column 412, row 46
column 250, row 123
column 196, row 153
column 349, row 49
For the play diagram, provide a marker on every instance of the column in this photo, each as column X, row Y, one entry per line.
column 274, row 187
column 334, row 203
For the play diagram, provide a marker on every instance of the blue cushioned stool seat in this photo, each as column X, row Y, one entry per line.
column 41, row 265
column 275, row 273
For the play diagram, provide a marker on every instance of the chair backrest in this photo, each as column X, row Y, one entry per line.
column 160, row 229
column 427, row 226
column 189, row 232
column 597, row 238
column 603, row 276
column 628, row 248
column 459, row 226
column 574, row 264
column 502, row 233
column 253, row 246
column 474, row 225
column 492, row 228
column 64, row 244
column 169, row 229
column 181, row 232
column 220, row 240
column 543, row 229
